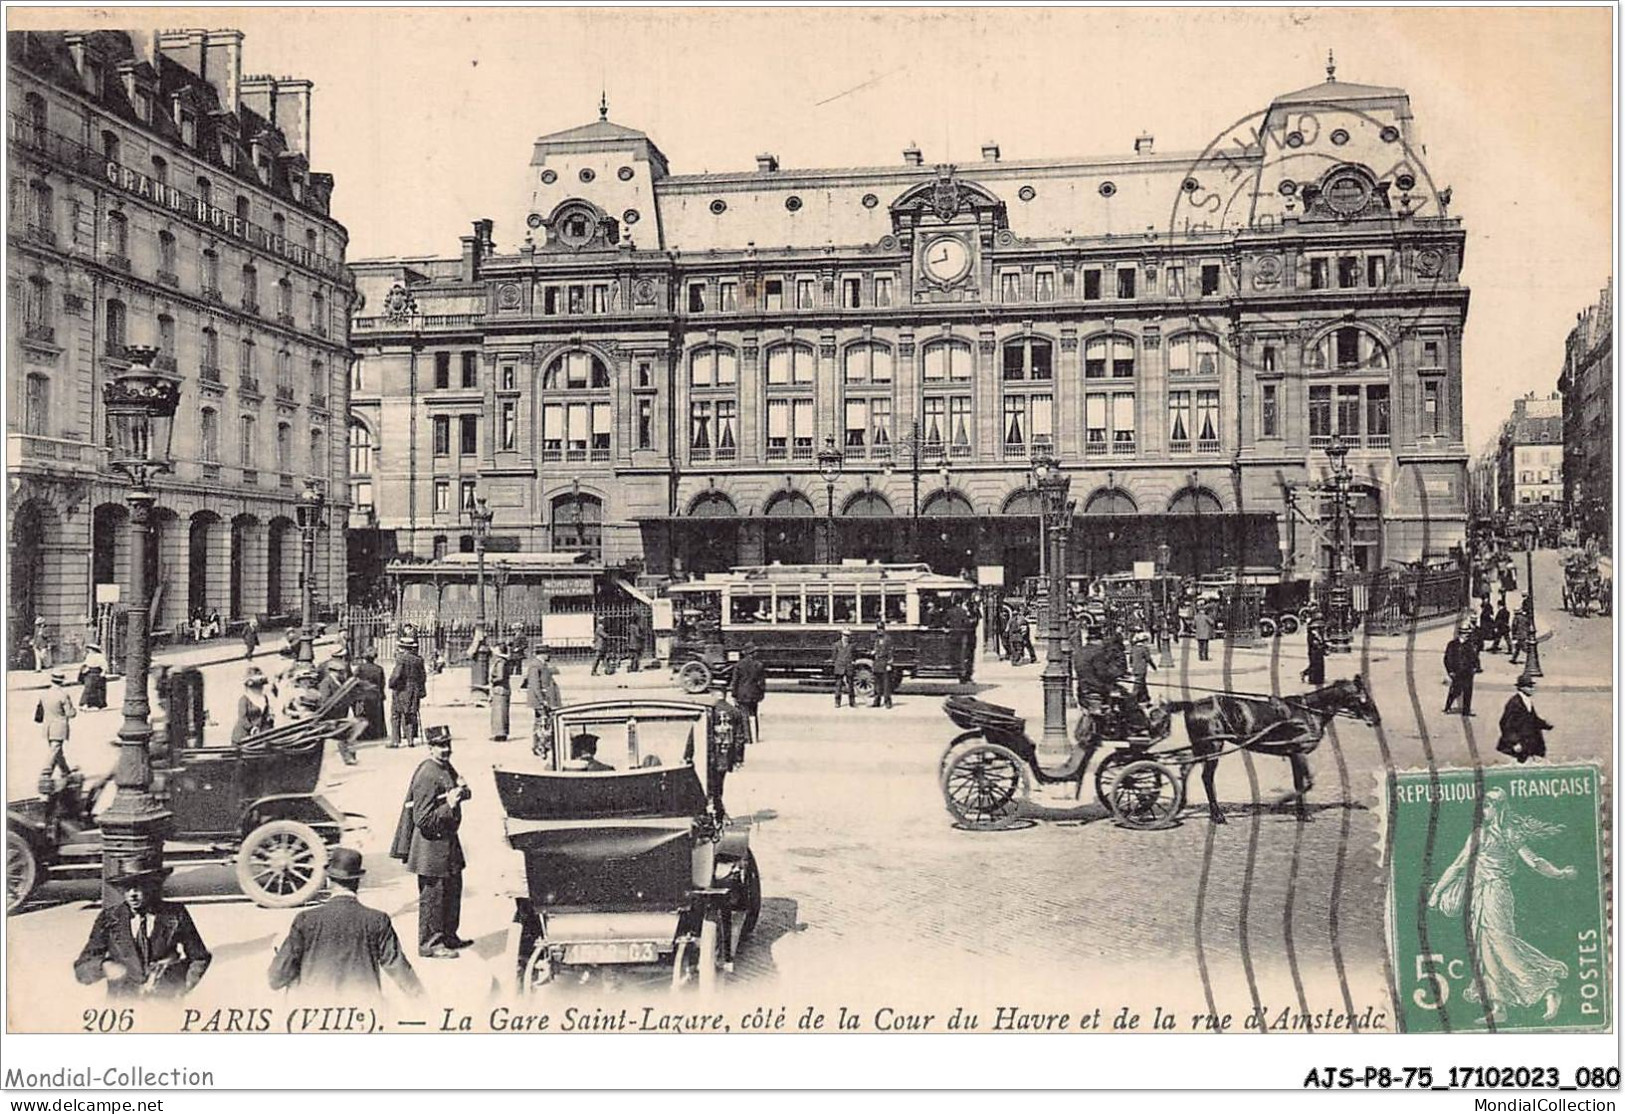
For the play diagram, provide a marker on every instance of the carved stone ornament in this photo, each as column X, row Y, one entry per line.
column 645, row 292
column 945, row 194
column 508, row 296
column 1429, row 262
column 399, row 304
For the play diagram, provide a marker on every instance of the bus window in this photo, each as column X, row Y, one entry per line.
column 788, row 601
column 845, row 609
column 752, row 607
column 870, row 609
column 817, row 605
column 896, row 606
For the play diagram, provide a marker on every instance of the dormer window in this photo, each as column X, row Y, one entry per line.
column 143, row 106
column 188, row 123
column 576, row 228
column 93, row 77
column 228, row 154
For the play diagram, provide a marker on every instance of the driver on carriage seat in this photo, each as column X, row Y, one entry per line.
column 584, row 755
column 1101, row 669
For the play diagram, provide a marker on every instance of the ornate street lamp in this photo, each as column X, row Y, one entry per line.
column 1531, row 661
column 308, row 508
column 829, row 466
column 1339, row 635
column 1165, row 635
column 140, row 404
column 1052, row 486
column 479, row 517
column 501, row 574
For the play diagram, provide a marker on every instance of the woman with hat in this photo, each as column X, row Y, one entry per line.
column 94, row 675
column 253, row 707
column 143, row 945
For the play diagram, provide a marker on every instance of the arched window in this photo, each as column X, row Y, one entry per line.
column 116, row 330
column 247, row 441
column 1349, row 348
column 37, row 406
column 118, row 238
column 284, row 447
column 1193, row 354
column 1029, row 359
column 166, row 337
column 37, row 118
column 578, row 525
column 245, row 357
column 284, row 300
column 160, row 170
column 576, row 371
column 946, row 361
column 360, row 449
column 242, row 207
column 791, row 365
column 211, row 273
column 1109, row 357
column 791, row 420
column 205, row 191
column 41, row 211
column 110, row 146
column 318, row 313
column 318, row 454
column 279, row 225
column 211, row 350
column 251, row 288
column 166, row 255
column 867, row 371
column 868, row 363
column 713, row 366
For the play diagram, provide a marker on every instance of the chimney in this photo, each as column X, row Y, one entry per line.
column 1143, row 142
column 482, row 231
column 470, row 270
column 223, row 65
column 767, row 164
column 258, row 94
column 990, row 151
column 290, row 111
column 184, row 48
column 144, row 46
column 912, row 155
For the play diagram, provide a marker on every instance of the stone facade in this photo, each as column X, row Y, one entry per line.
column 153, row 205
column 1529, row 459
column 1587, row 386
column 653, row 370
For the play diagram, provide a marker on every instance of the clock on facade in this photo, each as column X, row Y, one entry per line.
column 946, row 258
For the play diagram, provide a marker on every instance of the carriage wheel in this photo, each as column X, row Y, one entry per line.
column 863, row 682
column 694, row 677
column 1267, row 627
column 282, row 864
column 1109, row 769
column 750, row 897
column 537, row 970
column 1289, row 624
column 984, row 784
column 22, row 871
column 1147, row 794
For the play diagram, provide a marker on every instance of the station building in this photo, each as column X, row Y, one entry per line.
column 160, row 197
column 649, row 369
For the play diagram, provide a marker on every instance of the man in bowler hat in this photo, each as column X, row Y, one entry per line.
column 1523, row 731
column 426, row 840
column 143, row 945
column 340, row 946
column 409, row 683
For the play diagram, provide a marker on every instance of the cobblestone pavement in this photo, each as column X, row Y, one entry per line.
column 873, row 896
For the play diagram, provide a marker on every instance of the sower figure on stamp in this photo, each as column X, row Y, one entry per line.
column 1523, row 731
column 340, row 946
column 426, row 840
column 143, row 945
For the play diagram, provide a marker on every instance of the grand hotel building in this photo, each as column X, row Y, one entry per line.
column 160, row 197
column 650, row 372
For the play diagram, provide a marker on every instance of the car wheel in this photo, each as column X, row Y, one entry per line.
column 22, row 871
column 751, row 897
column 282, row 864
column 695, row 677
column 863, row 682
column 1289, row 624
column 1266, row 627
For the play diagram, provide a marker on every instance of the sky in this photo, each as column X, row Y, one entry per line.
column 426, row 116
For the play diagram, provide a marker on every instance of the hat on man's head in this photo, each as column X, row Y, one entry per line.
column 438, row 735
column 340, row 653
column 309, row 699
column 254, row 678
column 407, row 642
column 59, row 676
column 1525, row 683
column 93, row 646
column 133, row 873
column 344, row 864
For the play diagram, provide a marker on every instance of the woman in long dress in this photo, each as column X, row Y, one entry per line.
column 1512, row 972
column 94, row 674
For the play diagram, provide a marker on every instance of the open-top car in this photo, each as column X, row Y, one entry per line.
column 630, row 859
column 251, row 804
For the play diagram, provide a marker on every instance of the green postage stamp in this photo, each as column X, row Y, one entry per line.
column 1496, row 916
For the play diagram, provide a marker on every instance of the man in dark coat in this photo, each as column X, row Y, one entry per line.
column 1202, row 629
column 541, row 685
column 370, row 699
column 963, row 627
column 143, row 945
column 340, row 946
column 251, row 638
column 748, row 687
column 1523, row 731
column 1462, row 664
column 409, row 683
column 1503, row 627
column 840, row 664
column 1486, row 626
column 1315, row 672
column 433, row 852
column 1519, row 632
column 882, row 656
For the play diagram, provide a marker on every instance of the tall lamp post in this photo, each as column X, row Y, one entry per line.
column 829, row 466
column 1165, row 635
column 1339, row 636
column 479, row 517
column 915, row 451
column 1052, row 486
column 140, row 404
column 1531, row 661
column 309, row 511
column 501, row 574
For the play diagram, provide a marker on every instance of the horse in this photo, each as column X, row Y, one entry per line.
column 1283, row 727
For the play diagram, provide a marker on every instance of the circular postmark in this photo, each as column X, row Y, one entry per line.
column 1303, row 197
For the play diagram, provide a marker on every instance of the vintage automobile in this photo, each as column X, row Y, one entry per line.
column 632, row 866
column 251, row 805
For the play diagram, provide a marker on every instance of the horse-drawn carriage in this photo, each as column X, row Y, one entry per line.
column 1588, row 583
column 250, row 804
column 987, row 771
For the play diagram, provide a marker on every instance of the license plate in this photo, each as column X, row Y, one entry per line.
column 622, row 951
